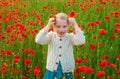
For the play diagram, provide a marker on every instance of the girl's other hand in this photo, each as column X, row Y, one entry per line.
column 51, row 22
column 72, row 21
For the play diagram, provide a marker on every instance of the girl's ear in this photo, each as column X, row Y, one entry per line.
column 68, row 21
column 54, row 21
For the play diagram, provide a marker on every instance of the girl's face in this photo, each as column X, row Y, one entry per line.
column 61, row 27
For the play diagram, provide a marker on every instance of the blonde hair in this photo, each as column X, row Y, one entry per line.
column 62, row 16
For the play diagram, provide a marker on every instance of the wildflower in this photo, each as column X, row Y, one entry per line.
column 24, row 77
column 83, row 8
column 116, row 30
column 2, row 36
column 92, row 46
column 36, row 71
column 91, row 24
column 78, row 60
column 86, row 60
column 72, row 14
column 118, row 57
column 94, row 37
column 89, row 70
column 108, row 77
column 81, row 69
column 27, row 62
column 9, row 53
column 16, row 58
column 98, row 22
column 113, row 37
column 118, row 72
column 106, row 18
column 103, row 63
column 113, row 65
column 32, row 52
column 102, row 31
column 117, row 24
column 100, row 73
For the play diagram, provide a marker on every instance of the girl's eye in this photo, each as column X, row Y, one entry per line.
column 58, row 26
column 64, row 26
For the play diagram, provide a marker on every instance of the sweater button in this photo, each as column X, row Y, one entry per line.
column 67, row 70
column 56, row 62
column 60, row 39
column 60, row 47
column 54, row 70
column 59, row 55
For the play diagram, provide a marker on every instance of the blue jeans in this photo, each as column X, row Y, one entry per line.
column 58, row 74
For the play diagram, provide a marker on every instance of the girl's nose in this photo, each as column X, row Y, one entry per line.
column 61, row 29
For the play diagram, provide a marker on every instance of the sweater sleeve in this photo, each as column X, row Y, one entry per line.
column 78, row 38
column 43, row 37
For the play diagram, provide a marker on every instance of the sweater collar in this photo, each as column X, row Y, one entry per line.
column 60, row 37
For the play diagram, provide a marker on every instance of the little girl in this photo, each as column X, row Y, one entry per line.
column 60, row 58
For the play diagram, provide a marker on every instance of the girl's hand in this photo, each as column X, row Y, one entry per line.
column 51, row 22
column 72, row 21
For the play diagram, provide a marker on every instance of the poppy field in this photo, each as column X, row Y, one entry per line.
column 21, row 20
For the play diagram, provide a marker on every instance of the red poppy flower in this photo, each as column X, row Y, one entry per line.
column 94, row 37
column 91, row 24
column 27, row 62
column 98, row 22
column 89, row 70
column 106, row 56
column 26, row 50
column 21, row 27
column 100, row 73
column 106, row 18
column 24, row 77
column 16, row 60
column 9, row 52
column 113, row 65
column 118, row 72
column 36, row 71
column 17, row 56
column 1, row 16
column 86, row 60
column 102, row 31
column 118, row 57
column 83, row 8
column 103, row 63
column 81, row 69
column 116, row 14
column 68, row 4
column 108, row 77
column 91, row 0
column 72, row 14
column 8, row 41
column 4, row 65
column 5, row 3
column 102, row 2
column 78, row 60
column 99, row 9
column 29, row 70
column 24, row 35
column 117, row 24
column 92, row 46
column 116, row 31
column 2, row 36
column 36, row 30
column 89, row 29
column 32, row 52
column 113, row 37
